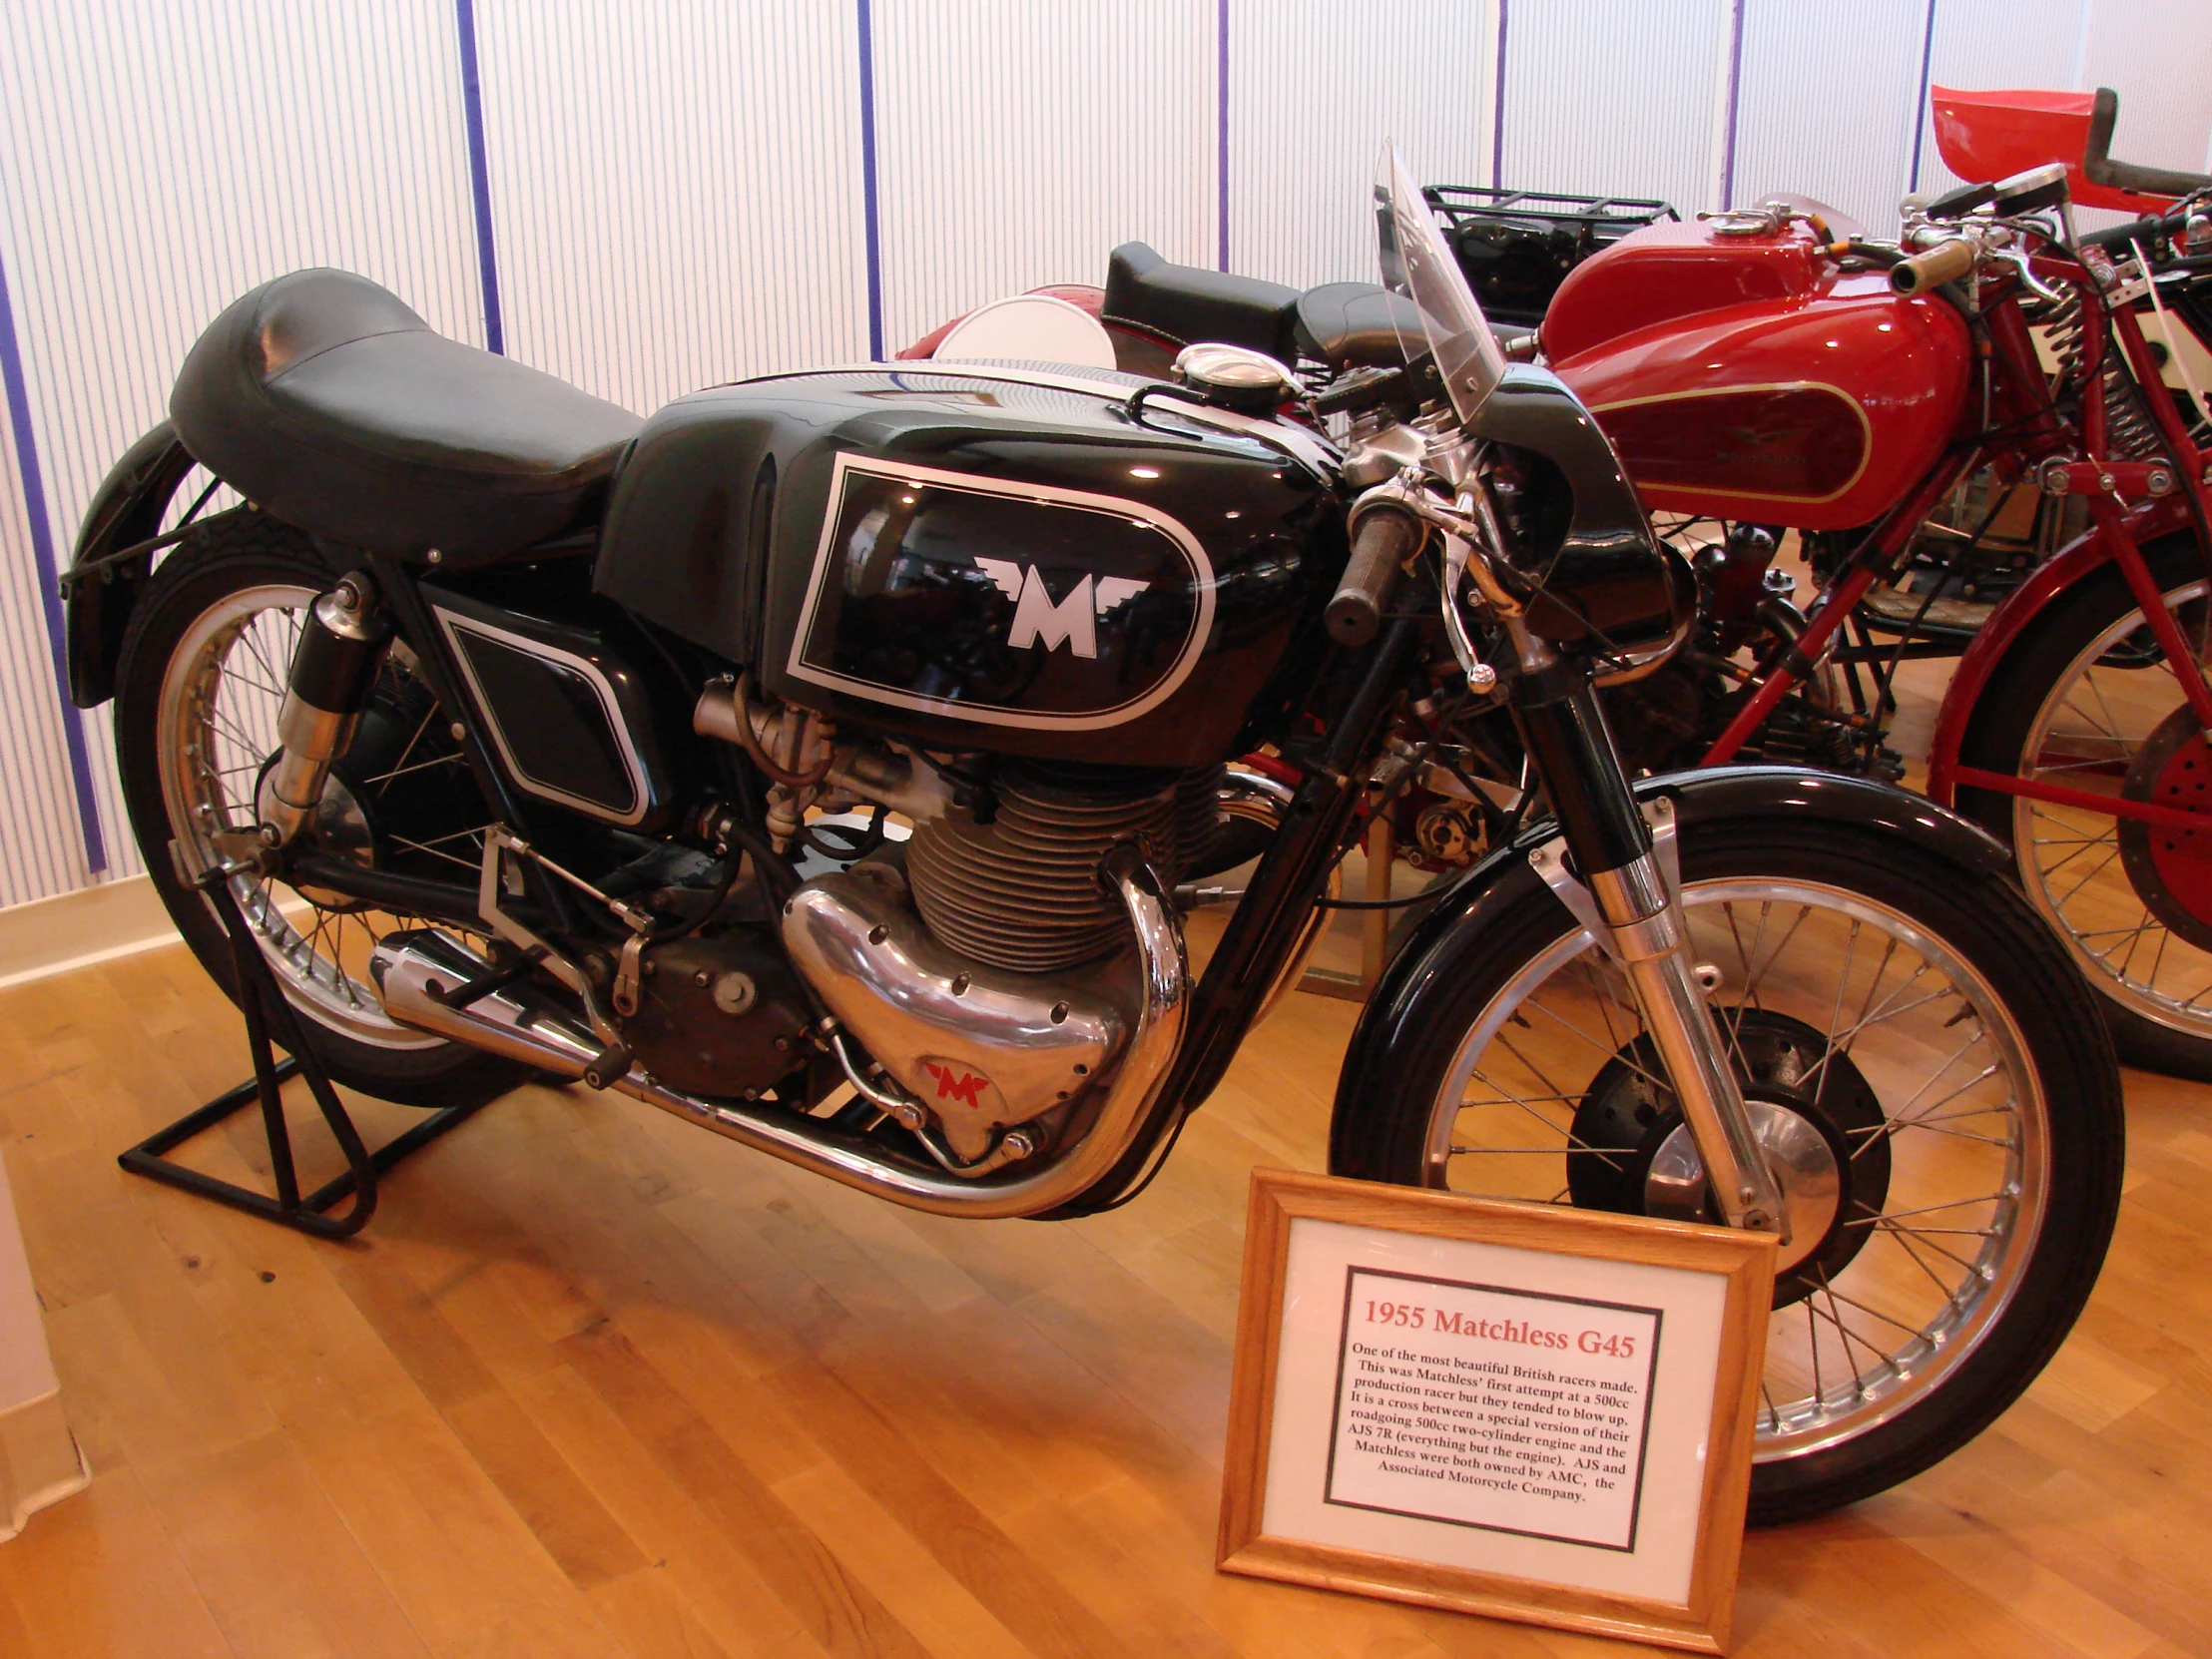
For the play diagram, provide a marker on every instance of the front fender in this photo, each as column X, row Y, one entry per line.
column 127, row 508
column 1466, row 909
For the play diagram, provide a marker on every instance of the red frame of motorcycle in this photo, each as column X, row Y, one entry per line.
column 2115, row 537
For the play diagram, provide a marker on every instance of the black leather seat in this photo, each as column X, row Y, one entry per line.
column 324, row 401
column 1354, row 324
column 1185, row 304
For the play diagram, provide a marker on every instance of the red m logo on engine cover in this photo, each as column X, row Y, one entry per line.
column 958, row 1083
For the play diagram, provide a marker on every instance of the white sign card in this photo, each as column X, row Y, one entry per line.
column 1483, row 1406
column 1499, row 1398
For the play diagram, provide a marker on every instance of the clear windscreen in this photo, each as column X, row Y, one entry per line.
column 1418, row 264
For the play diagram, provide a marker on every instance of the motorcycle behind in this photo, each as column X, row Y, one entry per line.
column 828, row 760
column 1968, row 432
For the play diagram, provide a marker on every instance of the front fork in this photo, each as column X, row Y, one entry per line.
column 1606, row 868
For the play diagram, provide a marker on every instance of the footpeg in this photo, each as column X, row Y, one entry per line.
column 608, row 1067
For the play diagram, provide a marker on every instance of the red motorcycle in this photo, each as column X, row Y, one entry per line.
column 1759, row 373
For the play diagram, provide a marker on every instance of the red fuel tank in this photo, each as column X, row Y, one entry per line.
column 1748, row 377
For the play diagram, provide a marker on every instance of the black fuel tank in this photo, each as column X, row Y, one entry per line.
column 988, row 557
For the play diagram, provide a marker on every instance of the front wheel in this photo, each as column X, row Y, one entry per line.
column 1907, row 1031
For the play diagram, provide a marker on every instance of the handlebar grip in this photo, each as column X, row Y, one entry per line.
column 1385, row 537
column 1947, row 262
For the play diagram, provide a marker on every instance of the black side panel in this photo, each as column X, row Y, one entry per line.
column 1189, row 304
column 573, row 722
column 127, row 508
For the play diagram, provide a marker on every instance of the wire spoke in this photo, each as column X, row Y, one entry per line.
column 1585, row 1036
column 1870, row 1312
column 1920, row 1236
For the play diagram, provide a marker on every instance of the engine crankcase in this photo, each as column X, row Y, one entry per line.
column 981, row 1048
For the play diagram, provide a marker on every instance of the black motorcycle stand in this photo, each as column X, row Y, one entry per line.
column 266, row 1012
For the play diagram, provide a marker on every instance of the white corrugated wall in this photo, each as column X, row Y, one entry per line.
column 1828, row 110
column 156, row 161
column 1315, row 87
column 677, row 190
column 1017, row 142
column 1606, row 99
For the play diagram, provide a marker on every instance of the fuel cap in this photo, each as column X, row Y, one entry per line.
column 1236, row 378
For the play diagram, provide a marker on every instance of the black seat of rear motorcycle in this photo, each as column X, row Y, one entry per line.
column 324, row 401
column 1187, row 305
column 1355, row 325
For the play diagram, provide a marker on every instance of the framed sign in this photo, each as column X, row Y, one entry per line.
column 1520, row 1410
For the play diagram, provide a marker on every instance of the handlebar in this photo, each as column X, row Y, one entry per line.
column 1947, row 262
column 2117, row 239
column 1384, row 538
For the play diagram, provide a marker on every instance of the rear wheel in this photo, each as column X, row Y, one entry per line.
column 2086, row 701
column 1925, row 1068
column 199, row 678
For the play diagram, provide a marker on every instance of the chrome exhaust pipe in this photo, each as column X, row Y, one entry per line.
column 416, row 971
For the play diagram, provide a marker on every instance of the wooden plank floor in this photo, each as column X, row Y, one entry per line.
column 596, row 1382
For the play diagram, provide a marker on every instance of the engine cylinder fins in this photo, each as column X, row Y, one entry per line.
column 1023, row 893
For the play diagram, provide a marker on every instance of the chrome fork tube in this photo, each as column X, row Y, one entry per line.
column 1626, row 895
column 1645, row 916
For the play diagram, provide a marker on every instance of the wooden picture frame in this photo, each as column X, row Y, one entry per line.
column 1645, row 1550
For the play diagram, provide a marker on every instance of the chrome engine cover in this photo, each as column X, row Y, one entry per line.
column 981, row 1048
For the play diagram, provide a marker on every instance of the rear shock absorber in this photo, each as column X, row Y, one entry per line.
column 340, row 646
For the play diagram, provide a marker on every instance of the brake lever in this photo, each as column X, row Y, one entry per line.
column 1480, row 675
column 2017, row 258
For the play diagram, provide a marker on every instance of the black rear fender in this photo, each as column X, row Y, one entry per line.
column 1421, row 971
column 126, row 510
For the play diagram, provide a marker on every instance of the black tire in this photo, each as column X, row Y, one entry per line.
column 232, row 555
column 1390, row 1109
column 2005, row 720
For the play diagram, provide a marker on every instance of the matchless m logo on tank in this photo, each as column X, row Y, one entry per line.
column 1001, row 603
column 1070, row 620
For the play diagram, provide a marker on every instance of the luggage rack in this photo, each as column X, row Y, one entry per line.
column 1517, row 246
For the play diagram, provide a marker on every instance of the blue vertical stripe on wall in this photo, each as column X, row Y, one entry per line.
column 868, row 184
column 1735, row 92
column 49, row 577
column 1221, row 107
column 479, row 174
column 1920, row 127
column 1497, row 106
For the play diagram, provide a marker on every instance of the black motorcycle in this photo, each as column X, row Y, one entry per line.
column 830, row 759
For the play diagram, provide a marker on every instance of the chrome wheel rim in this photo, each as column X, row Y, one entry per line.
column 2086, row 735
column 1965, row 1129
column 217, row 728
